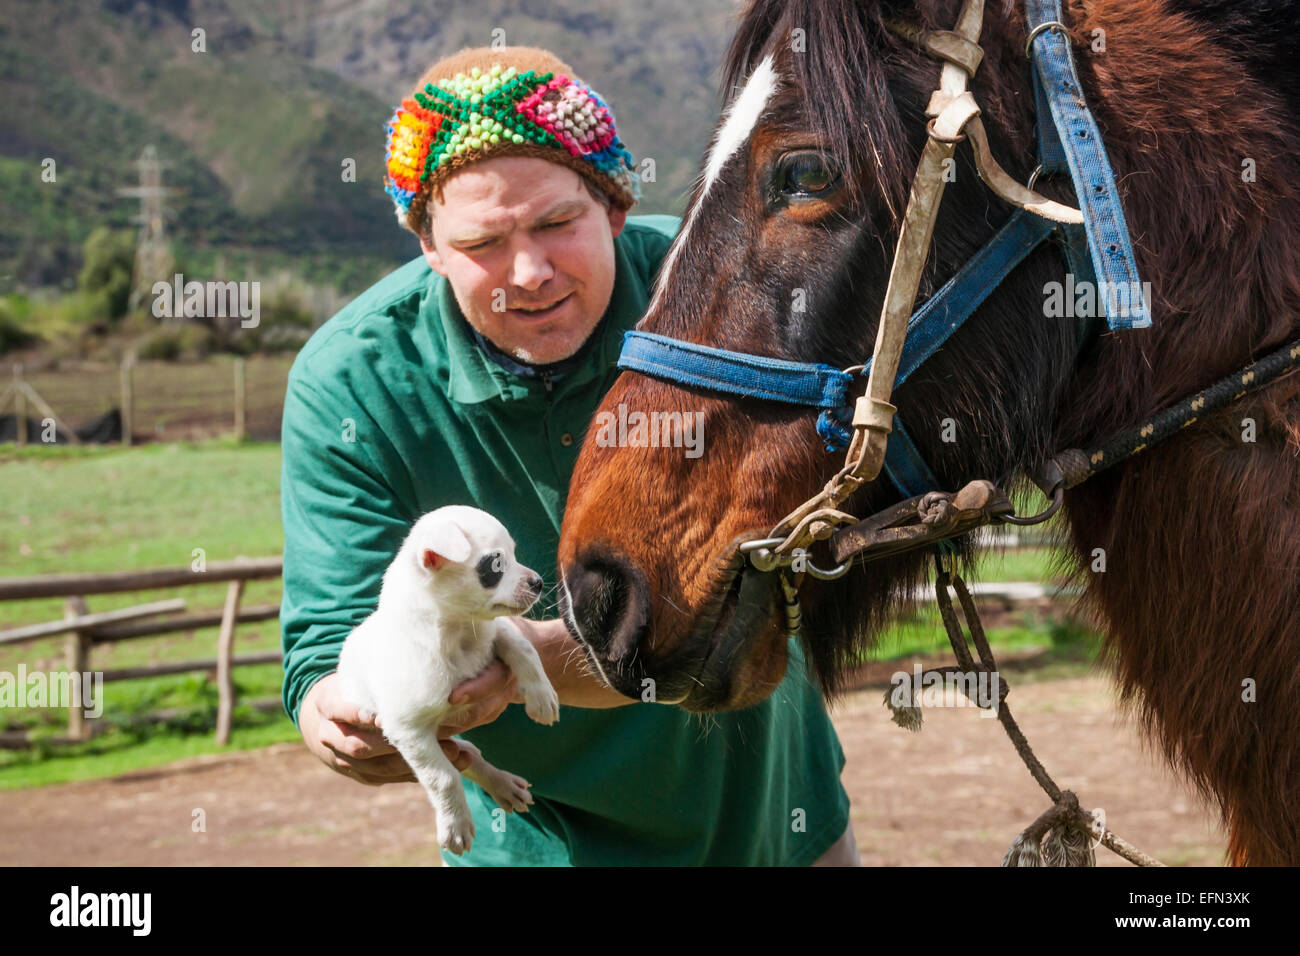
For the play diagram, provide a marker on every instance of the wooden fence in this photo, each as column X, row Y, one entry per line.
column 156, row 400
column 84, row 630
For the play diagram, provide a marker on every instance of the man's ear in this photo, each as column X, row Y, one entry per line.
column 617, row 219
column 431, row 256
column 444, row 542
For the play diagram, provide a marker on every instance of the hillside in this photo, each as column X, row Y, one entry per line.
column 257, row 126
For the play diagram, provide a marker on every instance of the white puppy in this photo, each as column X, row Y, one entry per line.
column 438, row 623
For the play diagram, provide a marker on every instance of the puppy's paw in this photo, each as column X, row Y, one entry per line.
column 511, row 792
column 542, row 704
column 455, row 834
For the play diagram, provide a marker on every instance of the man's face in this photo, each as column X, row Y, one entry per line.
column 517, row 233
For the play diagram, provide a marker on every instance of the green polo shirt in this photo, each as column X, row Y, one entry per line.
column 393, row 410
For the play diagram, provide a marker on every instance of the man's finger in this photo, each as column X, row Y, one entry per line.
column 389, row 769
column 475, row 716
column 354, row 742
column 459, row 757
column 491, row 679
column 371, row 780
column 333, row 707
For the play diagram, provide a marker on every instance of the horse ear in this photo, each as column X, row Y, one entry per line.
column 444, row 542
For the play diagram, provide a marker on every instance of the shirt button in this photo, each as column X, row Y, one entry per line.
column 566, row 439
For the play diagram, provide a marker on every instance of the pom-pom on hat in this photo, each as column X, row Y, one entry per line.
column 515, row 101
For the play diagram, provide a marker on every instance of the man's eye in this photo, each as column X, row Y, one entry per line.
column 477, row 246
column 562, row 222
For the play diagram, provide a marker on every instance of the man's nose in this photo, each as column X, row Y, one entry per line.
column 530, row 268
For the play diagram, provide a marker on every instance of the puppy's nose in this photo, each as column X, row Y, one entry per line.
column 611, row 602
column 528, row 588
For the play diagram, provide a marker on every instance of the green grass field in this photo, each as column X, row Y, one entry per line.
column 105, row 508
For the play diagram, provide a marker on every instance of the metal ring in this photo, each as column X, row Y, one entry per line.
column 759, row 552
column 1033, row 177
column 1033, row 35
column 753, row 545
column 830, row 575
column 762, row 558
column 1058, row 495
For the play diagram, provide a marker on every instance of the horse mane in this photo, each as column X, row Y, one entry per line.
column 1260, row 34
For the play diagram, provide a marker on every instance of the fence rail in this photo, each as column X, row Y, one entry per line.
column 84, row 630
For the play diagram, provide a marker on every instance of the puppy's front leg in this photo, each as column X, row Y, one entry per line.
column 541, row 703
column 418, row 745
column 507, row 789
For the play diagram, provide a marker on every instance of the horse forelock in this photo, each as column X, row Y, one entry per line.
column 737, row 127
column 829, row 82
column 837, row 84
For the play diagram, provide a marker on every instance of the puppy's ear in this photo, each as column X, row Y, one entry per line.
column 444, row 542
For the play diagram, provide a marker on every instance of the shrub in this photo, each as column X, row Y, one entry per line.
column 13, row 332
column 109, row 257
column 176, row 342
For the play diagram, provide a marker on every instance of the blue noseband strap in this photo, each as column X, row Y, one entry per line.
column 825, row 387
column 750, row 376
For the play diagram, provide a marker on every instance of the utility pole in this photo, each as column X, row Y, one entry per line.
column 153, row 258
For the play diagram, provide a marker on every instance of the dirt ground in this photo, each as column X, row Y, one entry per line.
column 954, row 794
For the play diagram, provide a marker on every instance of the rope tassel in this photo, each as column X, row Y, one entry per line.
column 1068, row 840
column 907, row 716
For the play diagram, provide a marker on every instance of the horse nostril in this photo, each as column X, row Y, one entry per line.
column 611, row 602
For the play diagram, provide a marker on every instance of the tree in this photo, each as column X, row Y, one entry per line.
column 109, row 257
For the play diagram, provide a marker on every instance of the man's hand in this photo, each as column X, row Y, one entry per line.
column 485, row 696
column 333, row 730
column 574, row 680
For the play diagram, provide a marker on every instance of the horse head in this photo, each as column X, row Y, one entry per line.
column 785, row 251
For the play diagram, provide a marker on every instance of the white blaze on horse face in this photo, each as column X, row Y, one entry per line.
column 736, row 130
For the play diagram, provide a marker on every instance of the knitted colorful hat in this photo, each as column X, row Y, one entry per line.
column 514, row 101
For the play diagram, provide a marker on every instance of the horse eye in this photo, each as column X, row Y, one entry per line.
column 807, row 175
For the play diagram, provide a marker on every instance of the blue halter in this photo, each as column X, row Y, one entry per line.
column 1100, row 248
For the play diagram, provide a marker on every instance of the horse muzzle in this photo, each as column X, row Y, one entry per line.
column 732, row 657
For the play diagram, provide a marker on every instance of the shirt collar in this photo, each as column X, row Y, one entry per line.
column 555, row 371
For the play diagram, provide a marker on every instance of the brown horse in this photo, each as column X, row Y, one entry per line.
column 799, row 204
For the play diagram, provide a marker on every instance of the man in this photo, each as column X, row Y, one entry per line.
column 468, row 377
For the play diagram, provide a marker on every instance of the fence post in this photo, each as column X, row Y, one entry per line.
column 77, row 654
column 20, row 408
column 128, row 399
column 225, row 650
column 240, row 396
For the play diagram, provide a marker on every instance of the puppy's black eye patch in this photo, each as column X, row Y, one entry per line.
column 490, row 569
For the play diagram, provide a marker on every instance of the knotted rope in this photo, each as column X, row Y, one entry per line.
column 1066, row 826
